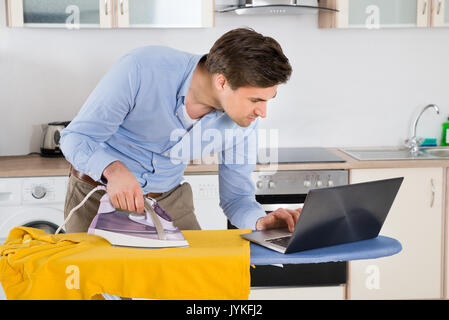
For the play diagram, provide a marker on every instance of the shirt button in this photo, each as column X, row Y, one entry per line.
column 165, row 153
column 154, row 161
column 145, row 175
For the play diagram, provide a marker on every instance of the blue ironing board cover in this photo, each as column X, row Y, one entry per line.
column 378, row 247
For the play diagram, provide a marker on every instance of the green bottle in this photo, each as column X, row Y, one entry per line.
column 445, row 135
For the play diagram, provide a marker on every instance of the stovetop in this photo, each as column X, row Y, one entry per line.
column 297, row 155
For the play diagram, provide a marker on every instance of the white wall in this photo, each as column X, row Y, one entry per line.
column 348, row 88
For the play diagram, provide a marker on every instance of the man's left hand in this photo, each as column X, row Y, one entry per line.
column 279, row 218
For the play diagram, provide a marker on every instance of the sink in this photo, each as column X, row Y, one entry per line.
column 396, row 153
column 440, row 152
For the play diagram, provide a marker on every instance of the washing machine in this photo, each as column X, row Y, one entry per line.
column 36, row 202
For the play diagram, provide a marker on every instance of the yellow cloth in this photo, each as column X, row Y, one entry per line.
column 36, row 265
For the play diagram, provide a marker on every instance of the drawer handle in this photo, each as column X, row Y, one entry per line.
column 432, row 190
column 121, row 7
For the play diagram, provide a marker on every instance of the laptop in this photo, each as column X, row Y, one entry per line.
column 334, row 215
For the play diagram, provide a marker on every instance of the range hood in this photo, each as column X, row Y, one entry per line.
column 264, row 7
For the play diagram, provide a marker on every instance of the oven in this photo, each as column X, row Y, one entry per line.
column 288, row 189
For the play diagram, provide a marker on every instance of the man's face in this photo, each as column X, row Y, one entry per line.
column 245, row 104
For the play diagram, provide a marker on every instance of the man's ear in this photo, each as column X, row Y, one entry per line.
column 220, row 81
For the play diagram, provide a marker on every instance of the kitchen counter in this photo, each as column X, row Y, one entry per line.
column 35, row 165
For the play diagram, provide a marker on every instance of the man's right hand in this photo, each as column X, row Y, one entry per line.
column 123, row 188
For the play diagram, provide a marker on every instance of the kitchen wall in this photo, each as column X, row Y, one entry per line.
column 348, row 88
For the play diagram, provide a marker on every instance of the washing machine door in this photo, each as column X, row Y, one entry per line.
column 44, row 218
column 47, row 226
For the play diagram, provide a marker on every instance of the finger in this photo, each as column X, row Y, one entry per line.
column 291, row 221
column 263, row 222
column 267, row 221
column 139, row 202
column 297, row 214
column 129, row 198
column 286, row 218
column 121, row 199
column 270, row 220
column 294, row 214
column 114, row 201
column 112, row 197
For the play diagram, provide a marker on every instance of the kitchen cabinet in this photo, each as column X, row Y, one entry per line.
column 374, row 14
column 2, row 14
column 74, row 14
column 440, row 13
column 165, row 13
column 70, row 14
column 416, row 220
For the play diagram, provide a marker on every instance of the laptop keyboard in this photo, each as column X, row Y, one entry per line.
column 282, row 241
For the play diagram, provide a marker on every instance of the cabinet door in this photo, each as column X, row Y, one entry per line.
column 165, row 13
column 374, row 14
column 70, row 14
column 440, row 13
column 2, row 14
column 415, row 219
column 446, row 13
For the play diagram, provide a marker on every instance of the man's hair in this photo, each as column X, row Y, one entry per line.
column 247, row 58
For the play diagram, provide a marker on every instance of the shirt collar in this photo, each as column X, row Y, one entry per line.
column 182, row 92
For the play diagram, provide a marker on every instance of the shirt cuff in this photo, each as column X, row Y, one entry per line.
column 99, row 160
column 251, row 219
column 244, row 215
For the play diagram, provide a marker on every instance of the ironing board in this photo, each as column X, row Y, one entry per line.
column 84, row 256
column 378, row 247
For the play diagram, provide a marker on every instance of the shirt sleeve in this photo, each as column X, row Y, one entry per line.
column 237, row 191
column 100, row 117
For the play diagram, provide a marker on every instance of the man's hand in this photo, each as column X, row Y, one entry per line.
column 123, row 188
column 279, row 218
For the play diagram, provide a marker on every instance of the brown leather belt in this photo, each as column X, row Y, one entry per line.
column 89, row 180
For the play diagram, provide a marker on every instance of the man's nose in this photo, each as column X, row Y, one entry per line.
column 261, row 111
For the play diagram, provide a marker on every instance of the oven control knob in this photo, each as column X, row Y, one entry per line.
column 38, row 192
column 330, row 183
column 259, row 184
column 307, row 183
column 271, row 184
column 319, row 183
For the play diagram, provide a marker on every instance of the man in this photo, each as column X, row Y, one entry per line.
column 123, row 135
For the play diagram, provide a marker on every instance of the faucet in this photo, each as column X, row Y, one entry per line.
column 414, row 142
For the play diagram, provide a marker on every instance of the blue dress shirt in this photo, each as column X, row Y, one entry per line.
column 135, row 116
